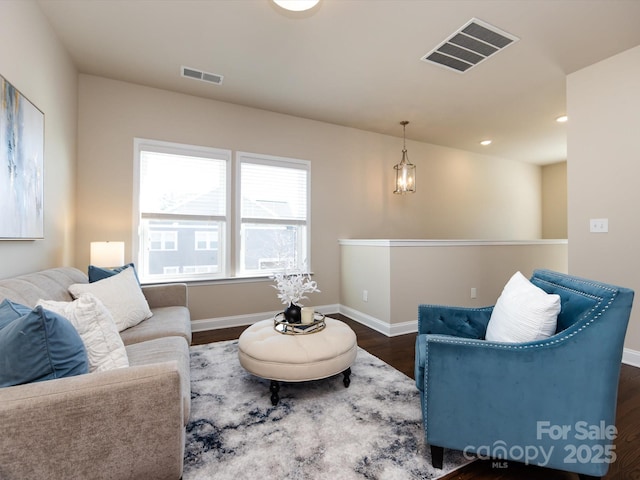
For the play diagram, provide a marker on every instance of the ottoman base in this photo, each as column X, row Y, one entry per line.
column 274, row 388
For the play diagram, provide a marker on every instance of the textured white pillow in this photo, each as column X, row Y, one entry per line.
column 97, row 329
column 122, row 296
column 523, row 313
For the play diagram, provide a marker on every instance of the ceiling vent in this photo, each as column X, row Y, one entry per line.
column 472, row 44
column 203, row 76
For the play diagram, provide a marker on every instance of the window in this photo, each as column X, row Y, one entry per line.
column 200, row 269
column 163, row 240
column 183, row 211
column 185, row 230
column 206, row 240
column 273, row 207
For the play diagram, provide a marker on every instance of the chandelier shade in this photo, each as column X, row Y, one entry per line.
column 405, row 170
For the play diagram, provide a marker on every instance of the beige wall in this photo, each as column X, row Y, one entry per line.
column 366, row 268
column 32, row 59
column 603, row 103
column 554, row 200
column 460, row 194
column 400, row 275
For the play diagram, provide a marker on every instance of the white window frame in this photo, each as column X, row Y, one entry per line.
column 276, row 161
column 224, row 244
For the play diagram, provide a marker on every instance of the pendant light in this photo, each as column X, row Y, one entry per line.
column 405, row 171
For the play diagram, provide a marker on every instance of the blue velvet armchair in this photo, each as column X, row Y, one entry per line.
column 550, row 402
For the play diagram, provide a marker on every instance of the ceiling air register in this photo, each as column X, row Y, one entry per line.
column 470, row 45
column 196, row 74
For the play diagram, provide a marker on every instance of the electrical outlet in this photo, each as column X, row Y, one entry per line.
column 599, row 225
column 474, row 292
column 365, row 295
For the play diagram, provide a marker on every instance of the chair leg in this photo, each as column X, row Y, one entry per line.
column 437, row 457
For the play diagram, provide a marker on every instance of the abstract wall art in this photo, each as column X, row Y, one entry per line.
column 21, row 166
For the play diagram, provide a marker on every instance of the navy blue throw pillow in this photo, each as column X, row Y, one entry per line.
column 99, row 273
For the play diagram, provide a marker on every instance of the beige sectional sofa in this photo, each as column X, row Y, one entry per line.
column 127, row 423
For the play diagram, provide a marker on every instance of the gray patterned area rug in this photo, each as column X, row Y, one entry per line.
column 319, row 430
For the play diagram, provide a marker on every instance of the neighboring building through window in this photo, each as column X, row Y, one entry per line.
column 273, row 214
column 183, row 202
column 163, row 240
column 206, row 240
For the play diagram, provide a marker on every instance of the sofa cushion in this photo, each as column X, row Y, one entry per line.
column 122, row 296
column 99, row 273
column 523, row 313
column 40, row 345
column 168, row 349
column 97, row 329
column 166, row 322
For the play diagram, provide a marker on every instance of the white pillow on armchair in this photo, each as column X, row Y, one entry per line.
column 523, row 313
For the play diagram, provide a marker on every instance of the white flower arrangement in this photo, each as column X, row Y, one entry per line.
column 293, row 286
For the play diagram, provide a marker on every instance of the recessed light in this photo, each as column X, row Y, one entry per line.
column 562, row 119
column 296, row 5
column 484, row 143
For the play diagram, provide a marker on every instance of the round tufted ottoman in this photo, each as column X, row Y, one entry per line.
column 297, row 358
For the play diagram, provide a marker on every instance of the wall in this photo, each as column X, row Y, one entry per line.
column 407, row 273
column 460, row 195
column 33, row 60
column 554, row 200
column 366, row 266
column 603, row 103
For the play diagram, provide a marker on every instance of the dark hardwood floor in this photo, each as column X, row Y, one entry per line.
column 399, row 352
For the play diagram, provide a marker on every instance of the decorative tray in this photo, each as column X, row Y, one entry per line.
column 286, row 328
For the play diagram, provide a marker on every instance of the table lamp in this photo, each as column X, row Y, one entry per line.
column 107, row 254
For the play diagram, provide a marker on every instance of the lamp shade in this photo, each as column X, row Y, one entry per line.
column 107, row 254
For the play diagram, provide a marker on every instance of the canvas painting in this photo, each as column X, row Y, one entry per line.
column 21, row 166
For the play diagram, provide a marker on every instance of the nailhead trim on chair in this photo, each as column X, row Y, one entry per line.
column 537, row 344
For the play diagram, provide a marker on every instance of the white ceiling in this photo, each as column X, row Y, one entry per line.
column 357, row 62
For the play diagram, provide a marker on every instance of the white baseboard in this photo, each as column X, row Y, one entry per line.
column 363, row 318
column 390, row 330
column 631, row 357
column 248, row 319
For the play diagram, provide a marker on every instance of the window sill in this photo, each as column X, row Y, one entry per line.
column 215, row 281
column 212, row 281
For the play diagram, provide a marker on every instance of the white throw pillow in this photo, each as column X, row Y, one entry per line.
column 122, row 296
column 97, row 329
column 523, row 313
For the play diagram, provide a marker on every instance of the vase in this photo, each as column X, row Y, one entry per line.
column 292, row 314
